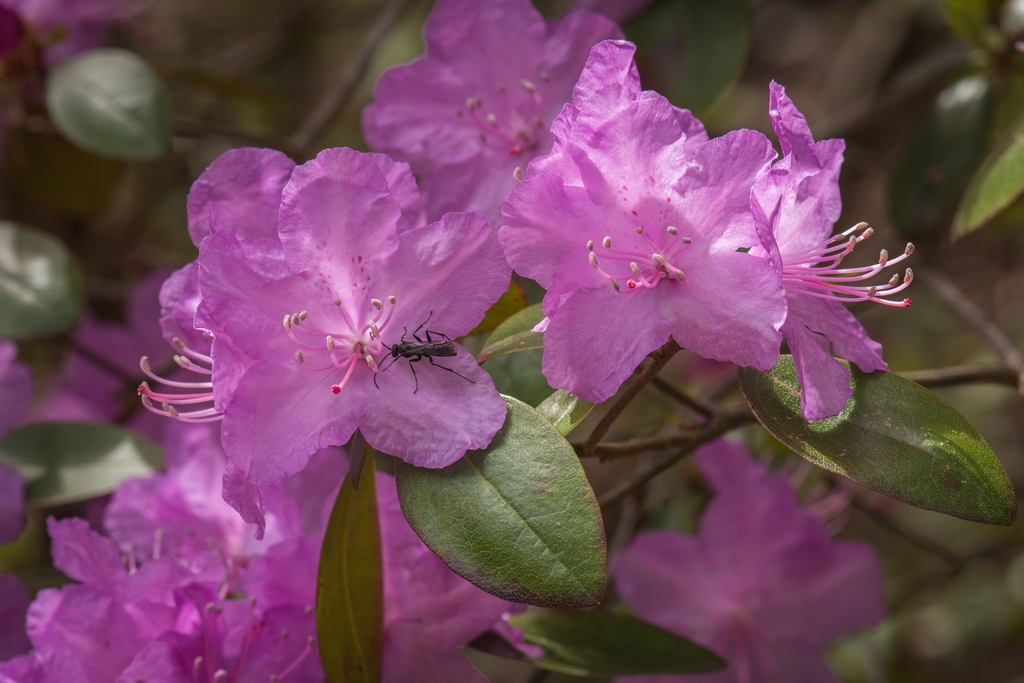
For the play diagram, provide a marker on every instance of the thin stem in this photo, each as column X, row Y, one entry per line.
column 695, row 403
column 337, row 95
column 719, row 424
column 975, row 317
column 883, row 520
column 658, row 361
column 964, row 374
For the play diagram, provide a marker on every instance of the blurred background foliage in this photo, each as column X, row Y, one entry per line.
column 929, row 95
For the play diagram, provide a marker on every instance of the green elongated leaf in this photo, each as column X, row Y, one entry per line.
column 510, row 303
column 943, row 153
column 518, row 519
column 40, row 287
column 514, row 335
column 66, row 462
column 111, row 102
column 895, row 437
column 995, row 185
column 564, row 410
column 520, row 375
column 602, row 644
column 350, row 587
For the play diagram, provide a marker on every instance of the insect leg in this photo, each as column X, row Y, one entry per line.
column 449, row 370
column 417, row 359
column 421, row 327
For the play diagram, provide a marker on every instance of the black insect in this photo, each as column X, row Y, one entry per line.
column 420, row 349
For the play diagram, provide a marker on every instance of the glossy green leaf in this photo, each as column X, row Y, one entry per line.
column 602, row 644
column 943, row 153
column 995, row 185
column 520, row 375
column 895, row 437
column 717, row 40
column 40, row 288
column 510, row 303
column 66, row 462
column 518, row 519
column 564, row 410
column 350, row 587
column 514, row 335
column 110, row 101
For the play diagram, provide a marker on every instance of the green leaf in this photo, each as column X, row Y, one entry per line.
column 350, row 587
column 111, row 102
column 895, row 437
column 67, row 462
column 564, row 410
column 717, row 39
column 520, row 375
column 514, row 335
column 40, row 287
column 602, row 644
column 995, row 186
column 510, row 303
column 943, row 153
column 518, row 519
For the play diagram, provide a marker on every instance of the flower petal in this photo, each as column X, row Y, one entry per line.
column 239, row 193
column 440, row 421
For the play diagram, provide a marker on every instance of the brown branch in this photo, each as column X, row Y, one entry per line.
column 695, row 403
column 964, row 374
column 883, row 520
column 976, row 318
column 187, row 128
column 658, row 360
column 338, row 93
column 715, row 427
column 719, row 424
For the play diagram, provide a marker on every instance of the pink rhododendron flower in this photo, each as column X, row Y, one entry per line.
column 479, row 103
column 15, row 393
column 67, row 27
column 239, row 193
column 762, row 584
column 795, row 206
column 14, row 603
column 632, row 224
column 314, row 320
column 181, row 592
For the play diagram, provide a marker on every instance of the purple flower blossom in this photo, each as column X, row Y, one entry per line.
column 761, row 584
column 184, row 592
column 78, row 25
column 15, row 393
column 479, row 103
column 351, row 277
column 795, row 206
column 239, row 193
column 632, row 224
column 14, row 603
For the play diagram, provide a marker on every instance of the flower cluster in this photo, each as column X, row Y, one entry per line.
column 178, row 590
column 328, row 300
column 751, row 584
